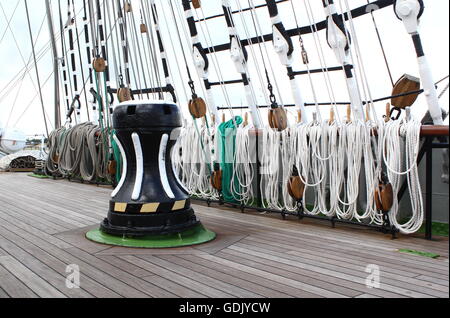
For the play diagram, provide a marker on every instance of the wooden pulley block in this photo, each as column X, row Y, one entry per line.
column 197, row 107
column 332, row 117
column 384, row 197
column 278, row 119
column 296, row 188
column 124, row 94
column 55, row 158
column 99, row 64
column 368, row 108
column 349, row 113
column 299, row 117
column 196, row 4
column 387, row 117
column 404, row 85
column 216, row 180
column 245, row 124
column 144, row 28
column 112, row 167
column 128, row 8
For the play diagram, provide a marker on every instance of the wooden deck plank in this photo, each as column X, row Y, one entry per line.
column 239, row 282
column 309, row 289
column 366, row 239
column 43, row 225
column 13, row 287
column 356, row 276
column 337, row 235
column 179, row 266
column 349, row 288
column 29, row 218
column 367, row 252
column 54, row 278
column 176, row 278
column 134, row 285
column 88, row 284
column 396, row 273
column 395, row 266
column 225, row 277
column 125, row 266
column 176, row 289
column 277, row 290
column 3, row 294
column 41, row 287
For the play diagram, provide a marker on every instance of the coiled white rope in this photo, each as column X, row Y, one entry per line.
column 394, row 150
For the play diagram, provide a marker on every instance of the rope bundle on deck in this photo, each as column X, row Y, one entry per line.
column 79, row 152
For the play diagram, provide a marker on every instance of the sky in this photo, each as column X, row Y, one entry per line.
column 21, row 109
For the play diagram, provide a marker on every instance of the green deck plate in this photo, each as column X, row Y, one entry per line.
column 33, row 175
column 194, row 236
column 418, row 253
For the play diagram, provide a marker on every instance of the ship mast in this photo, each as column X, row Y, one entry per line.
column 55, row 64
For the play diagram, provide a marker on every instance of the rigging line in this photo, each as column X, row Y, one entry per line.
column 240, row 60
column 116, row 55
column 285, row 52
column 80, row 58
column 173, row 50
column 359, row 57
column 37, row 71
column 124, row 42
column 192, row 85
column 272, row 99
column 126, row 25
column 137, row 53
column 64, row 67
column 141, row 41
column 242, row 48
column 16, row 79
column 258, row 29
column 40, row 54
column 145, row 17
column 167, row 71
column 154, row 27
column 200, row 59
column 25, row 63
column 322, row 59
column 216, row 63
column 18, row 48
column 154, row 58
column 9, row 21
column 181, row 45
column 160, row 88
column 72, row 61
column 188, row 42
column 375, row 24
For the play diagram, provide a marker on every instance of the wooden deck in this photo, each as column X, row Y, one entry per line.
column 43, row 222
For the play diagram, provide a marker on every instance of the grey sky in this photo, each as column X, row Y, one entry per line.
column 401, row 55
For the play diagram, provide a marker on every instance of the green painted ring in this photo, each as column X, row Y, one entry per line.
column 195, row 236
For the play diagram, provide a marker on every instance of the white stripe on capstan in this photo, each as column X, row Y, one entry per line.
column 162, row 166
column 177, row 178
column 124, row 168
column 139, row 167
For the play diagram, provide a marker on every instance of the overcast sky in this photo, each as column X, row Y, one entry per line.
column 21, row 109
